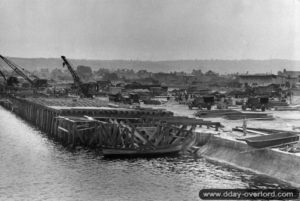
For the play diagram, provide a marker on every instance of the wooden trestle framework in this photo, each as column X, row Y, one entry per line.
column 107, row 127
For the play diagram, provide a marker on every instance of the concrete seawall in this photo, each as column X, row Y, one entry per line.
column 274, row 163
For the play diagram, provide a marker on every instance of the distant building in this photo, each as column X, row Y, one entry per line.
column 292, row 76
column 144, row 74
column 290, row 73
column 211, row 73
column 258, row 80
column 174, row 79
column 255, row 80
column 115, row 90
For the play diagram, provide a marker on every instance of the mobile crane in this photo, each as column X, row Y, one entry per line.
column 36, row 82
column 85, row 89
column 10, row 81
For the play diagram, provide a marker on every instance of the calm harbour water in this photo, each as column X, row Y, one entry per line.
column 32, row 167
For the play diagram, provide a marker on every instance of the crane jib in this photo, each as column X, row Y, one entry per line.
column 37, row 82
column 84, row 89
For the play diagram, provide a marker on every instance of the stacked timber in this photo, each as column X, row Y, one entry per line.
column 287, row 108
column 264, row 131
column 233, row 115
column 215, row 113
column 273, row 103
column 182, row 120
column 250, row 115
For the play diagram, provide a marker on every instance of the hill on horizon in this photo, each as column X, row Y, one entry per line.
column 219, row 66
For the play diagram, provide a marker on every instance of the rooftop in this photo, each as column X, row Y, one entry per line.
column 258, row 75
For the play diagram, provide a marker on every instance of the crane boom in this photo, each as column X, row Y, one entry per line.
column 2, row 74
column 31, row 74
column 17, row 69
column 84, row 88
column 77, row 80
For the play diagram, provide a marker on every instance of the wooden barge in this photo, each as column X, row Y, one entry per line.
column 273, row 140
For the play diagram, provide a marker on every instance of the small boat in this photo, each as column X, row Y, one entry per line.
column 142, row 151
column 271, row 140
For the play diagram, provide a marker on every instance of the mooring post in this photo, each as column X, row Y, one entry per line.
column 244, row 126
column 74, row 132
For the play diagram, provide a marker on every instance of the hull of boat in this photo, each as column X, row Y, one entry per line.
column 271, row 140
column 130, row 152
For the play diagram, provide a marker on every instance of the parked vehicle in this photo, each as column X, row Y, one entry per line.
column 202, row 102
column 115, row 97
column 222, row 105
column 131, row 98
column 255, row 103
column 126, row 99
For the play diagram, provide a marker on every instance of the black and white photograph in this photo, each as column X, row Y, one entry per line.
column 149, row 100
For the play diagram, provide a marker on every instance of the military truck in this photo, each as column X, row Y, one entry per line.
column 126, row 99
column 202, row 102
column 255, row 103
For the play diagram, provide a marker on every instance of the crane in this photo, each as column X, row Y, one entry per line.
column 11, row 81
column 2, row 74
column 86, row 89
column 16, row 69
column 2, row 87
column 37, row 82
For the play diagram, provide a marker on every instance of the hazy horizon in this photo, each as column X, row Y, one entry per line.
column 151, row 30
column 220, row 66
column 95, row 59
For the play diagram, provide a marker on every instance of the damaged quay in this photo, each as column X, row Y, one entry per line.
column 137, row 141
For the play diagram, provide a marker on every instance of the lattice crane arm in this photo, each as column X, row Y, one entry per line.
column 2, row 74
column 75, row 76
column 17, row 69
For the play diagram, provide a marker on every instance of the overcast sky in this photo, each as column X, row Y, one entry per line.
column 151, row 29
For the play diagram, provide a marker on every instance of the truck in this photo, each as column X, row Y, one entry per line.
column 202, row 102
column 131, row 98
column 255, row 103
